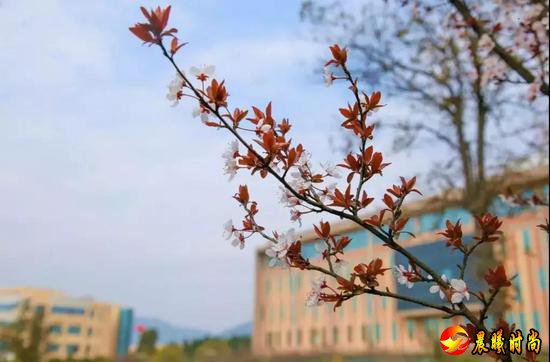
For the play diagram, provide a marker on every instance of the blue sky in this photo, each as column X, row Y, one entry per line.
column 108, row 191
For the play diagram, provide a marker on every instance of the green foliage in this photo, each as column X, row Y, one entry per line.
column 147, row 342
column 239, row 344
column 212, row 349
column 170, row 353
column 23, row 337
column 98, row 359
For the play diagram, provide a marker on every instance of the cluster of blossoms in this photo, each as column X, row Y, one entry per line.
column 270, row 151
column 315, row 296
column 458, row 290
column 278, row 248
column 513, row 37
column 454, row 290
column 231, row 232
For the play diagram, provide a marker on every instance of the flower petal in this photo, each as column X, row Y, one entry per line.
column 457, row 298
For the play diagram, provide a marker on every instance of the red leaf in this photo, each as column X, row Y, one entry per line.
column 497, row 278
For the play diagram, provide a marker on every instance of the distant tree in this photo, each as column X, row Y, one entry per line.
column 212, row 350
column 239, row 344
column 470, row 111
column 24, row 336
column 147, row 342
column 170, row 353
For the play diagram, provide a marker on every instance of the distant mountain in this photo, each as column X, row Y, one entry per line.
column 167, row 333
column 241, row 330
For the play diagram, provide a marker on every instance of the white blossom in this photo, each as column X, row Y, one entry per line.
column 263, row 127
column 296, row 215
column 202, row 112
column 228, row 229
column 314, row 296
column 230, row 163
column 403, row 275
column 328, row 193
column 174, row 90
column 304, row 160
column 202, row 73
column 287, row 198
column 328, row 76
column 298, row 182
column 238, row 239
column 277, row 250
column 436, row 288
column 341, row 266
column 331, row 170
column 460, row 291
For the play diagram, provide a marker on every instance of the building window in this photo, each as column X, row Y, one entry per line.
column 526, row 240
column 369, row 305
column 378, row 332
column 72, row 349
column 8, row 307
column 522, row 320
column 56, row 328
column 335, row 335
column 52, row 347
column 299, row 337
column 269, row 339
column 294, row 282
column 410, row 328
column 350, row 334
column 394, row 332
column 67, row 310
column 267, row 286
column 542, row 279
column 289, row 338
column 429, row 222
column 73, row 330
column 324, row 337
column 517, row 287
column 536, row 320
column 313, row 337
column 278, row 339
column 364, row 333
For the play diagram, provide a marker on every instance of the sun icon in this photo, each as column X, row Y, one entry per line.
column 454, row 340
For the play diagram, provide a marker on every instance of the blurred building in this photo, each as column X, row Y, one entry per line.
column 283, row 325
column 72, row 327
